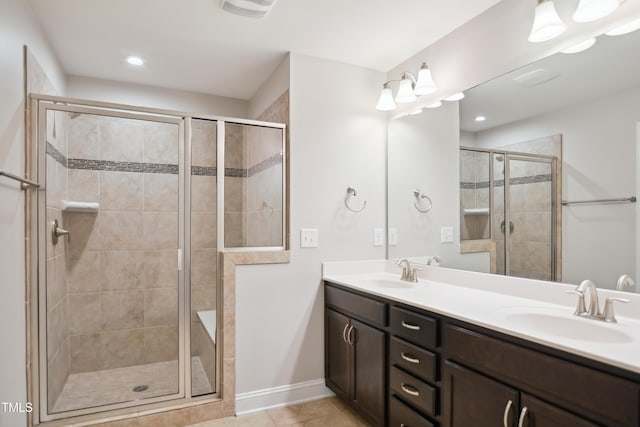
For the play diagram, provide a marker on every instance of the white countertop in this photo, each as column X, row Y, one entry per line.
column 534, row 310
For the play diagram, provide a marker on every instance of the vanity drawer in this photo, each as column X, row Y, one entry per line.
column 414, row 327
column 413, row 390
column 413, row 359
column 400, row 415
column 369, row 309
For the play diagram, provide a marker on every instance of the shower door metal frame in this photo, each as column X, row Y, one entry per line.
column 41, row 107
column 184, row 397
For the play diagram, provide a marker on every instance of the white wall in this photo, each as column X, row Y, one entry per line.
column 155, row 97
column 423, row 154
column 337, row 140
column 271, row 89
column 17, row 28
column 599, row 161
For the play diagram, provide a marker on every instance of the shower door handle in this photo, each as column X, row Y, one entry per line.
column 502, row 227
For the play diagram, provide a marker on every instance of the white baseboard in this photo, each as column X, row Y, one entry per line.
column 281, row 396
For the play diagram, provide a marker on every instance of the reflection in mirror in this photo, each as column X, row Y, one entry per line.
column 583, row 110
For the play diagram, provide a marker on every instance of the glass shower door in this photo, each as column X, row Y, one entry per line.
column 110, row 301
column 528, row 223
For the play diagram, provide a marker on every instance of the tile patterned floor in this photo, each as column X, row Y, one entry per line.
column 329, row 412
column 91, row 389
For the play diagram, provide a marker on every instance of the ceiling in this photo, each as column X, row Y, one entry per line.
column 193, row 45
column 609, row 67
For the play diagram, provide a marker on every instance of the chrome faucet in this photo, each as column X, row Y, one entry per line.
column 409, row 273
column 593, row 312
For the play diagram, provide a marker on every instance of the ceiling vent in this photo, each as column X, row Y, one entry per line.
column 248, row 8
column 536, row 77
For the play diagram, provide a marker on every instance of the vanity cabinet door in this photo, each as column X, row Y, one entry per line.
column 543, row 414
column 474, row 400
column 337, row 353
column 369, row 370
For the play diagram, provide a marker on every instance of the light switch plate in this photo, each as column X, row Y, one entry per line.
column 446, row 234
column 393, row 236
column 308, row 237
column 378, row 237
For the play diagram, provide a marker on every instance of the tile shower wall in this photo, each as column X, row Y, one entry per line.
column 122, row 268
column 474, row 194
column 58, row 351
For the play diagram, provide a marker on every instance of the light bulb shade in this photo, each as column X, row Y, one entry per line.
column 435, row 104
column 425, row 84
column 455, row 97
column 546, row 23
column 590, row 10
column 582, row 46
column 385, row 103
column 405, row 91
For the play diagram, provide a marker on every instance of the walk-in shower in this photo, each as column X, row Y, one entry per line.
column 134, row 208
column 510, row 199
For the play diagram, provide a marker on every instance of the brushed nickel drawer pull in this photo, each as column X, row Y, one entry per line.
column 410, row 326
column 349, row 339
column 409, row 390
column 522, row 415
column 409, row 358
column 505, row 418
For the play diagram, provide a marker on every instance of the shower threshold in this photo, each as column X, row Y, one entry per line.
column 106, row 387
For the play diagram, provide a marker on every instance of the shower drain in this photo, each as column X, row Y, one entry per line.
column 140, row 388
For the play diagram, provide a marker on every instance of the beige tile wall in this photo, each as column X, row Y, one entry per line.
column 474, row 168
column 122, row 261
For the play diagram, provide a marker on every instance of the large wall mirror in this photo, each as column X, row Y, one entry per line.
column 532, row 174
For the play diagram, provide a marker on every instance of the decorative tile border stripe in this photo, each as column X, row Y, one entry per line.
column 274, row 160
column 513, row 181
column 164, row 168
column 204, row 170
column 56, row 154
column 113, row 166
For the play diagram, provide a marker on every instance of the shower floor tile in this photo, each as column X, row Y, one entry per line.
column 91, row 389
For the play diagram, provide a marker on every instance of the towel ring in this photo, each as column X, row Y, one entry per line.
column 419, row 196
column 351, row 192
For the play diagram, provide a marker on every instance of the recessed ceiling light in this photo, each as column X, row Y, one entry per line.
column 580, row 47
column 480, row 118
column 455, row 97
column 135, row 60
column 627, row 28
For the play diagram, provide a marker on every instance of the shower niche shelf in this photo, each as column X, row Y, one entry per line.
column 476, row 211
column 77, row 206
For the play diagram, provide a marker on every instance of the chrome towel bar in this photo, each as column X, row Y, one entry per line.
column 25, row 183
column 631, row 199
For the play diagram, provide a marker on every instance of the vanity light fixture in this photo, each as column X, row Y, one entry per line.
column 546, row 23
column 435, row 105
column 409, row 89
column 455, row 97
column 480, row 118
column 405, row 91
column 416, row 112
column 580, row 47
column 386, row 103
column 135, row 60
column 590, row 10
column 627, row 28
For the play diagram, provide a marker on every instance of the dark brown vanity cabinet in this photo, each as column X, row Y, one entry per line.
column 405, row 367
column 489, row 381
column 355, row 356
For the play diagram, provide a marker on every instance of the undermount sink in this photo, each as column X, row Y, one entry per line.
column 566, row 326
column 386, row 282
